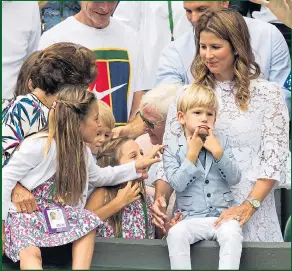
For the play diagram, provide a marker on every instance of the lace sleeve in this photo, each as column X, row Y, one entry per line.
column 172, row 126
column 160, row 175
column 275, row 155
column 172, row 130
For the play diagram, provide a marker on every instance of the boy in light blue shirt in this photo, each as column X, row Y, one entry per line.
column 199, row 166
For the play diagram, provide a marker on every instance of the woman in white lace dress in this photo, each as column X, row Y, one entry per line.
column 253, row 116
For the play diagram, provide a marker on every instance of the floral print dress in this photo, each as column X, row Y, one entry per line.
column 133, row 222
column 21, row 117
column 23, row 230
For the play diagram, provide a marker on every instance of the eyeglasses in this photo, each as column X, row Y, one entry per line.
column 150, row 124
column 146, row 121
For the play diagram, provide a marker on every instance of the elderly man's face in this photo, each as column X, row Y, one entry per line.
column 153, row 124
column 195, row 9
column 97, row 13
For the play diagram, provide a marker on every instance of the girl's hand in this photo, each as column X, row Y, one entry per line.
column 23, row 199
column 129, row 193
column 148, row 160
column 241, row 213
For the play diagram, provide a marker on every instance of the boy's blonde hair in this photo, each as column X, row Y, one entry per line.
column 197, row 96
column 106, row 115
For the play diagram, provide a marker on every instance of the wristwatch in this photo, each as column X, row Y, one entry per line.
column 254, row 202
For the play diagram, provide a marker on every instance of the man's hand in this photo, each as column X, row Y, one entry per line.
column 159, row 213
column 212, row 145
column 282, row 9
column 122, row 131
column 23, row 199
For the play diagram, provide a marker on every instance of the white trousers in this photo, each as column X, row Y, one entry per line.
column 190, row 231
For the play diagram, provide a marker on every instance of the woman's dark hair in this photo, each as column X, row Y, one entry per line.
column 63, row 63
column 23, row 83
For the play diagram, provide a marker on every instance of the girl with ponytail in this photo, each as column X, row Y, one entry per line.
column 57, row 167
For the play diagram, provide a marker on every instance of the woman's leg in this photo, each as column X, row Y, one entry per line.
column 82, row 251
column 30, row 258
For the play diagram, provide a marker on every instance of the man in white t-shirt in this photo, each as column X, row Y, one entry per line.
column 21, row 31
column 119, row 58
column 157, row 23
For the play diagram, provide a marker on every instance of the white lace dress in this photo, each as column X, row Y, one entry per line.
column 259, row 138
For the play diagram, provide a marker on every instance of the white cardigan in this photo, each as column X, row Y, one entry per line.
column 30, row 168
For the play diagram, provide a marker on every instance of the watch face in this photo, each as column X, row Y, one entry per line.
column 256, row 203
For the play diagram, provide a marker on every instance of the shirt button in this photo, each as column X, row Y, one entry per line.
column 224, row 176
column 207, row 181
column 208, row 195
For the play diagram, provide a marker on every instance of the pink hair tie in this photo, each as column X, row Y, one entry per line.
column 54, row 104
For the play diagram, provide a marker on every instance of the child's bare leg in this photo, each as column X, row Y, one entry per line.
column 30, row 258
column 82, row 251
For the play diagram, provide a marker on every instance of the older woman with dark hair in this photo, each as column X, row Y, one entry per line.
column 58, row 65
column 253, row 116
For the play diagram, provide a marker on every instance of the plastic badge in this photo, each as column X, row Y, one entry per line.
column 56, row 219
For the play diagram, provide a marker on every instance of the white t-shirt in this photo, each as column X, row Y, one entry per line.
column 151, row 21
column 119, row 59
column 21, row 31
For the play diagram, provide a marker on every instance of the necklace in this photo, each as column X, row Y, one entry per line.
column 226, row 85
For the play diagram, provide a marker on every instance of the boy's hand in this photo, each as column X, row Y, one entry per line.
column 194, row 144
column 212, row 145
column 177, row 218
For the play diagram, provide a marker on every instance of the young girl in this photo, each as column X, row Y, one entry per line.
column 56, row 166
column 125, row 208
column 106, row 124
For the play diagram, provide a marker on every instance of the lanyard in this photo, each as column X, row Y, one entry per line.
column 58, row 199
column 145, row 219
column 170, row 17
